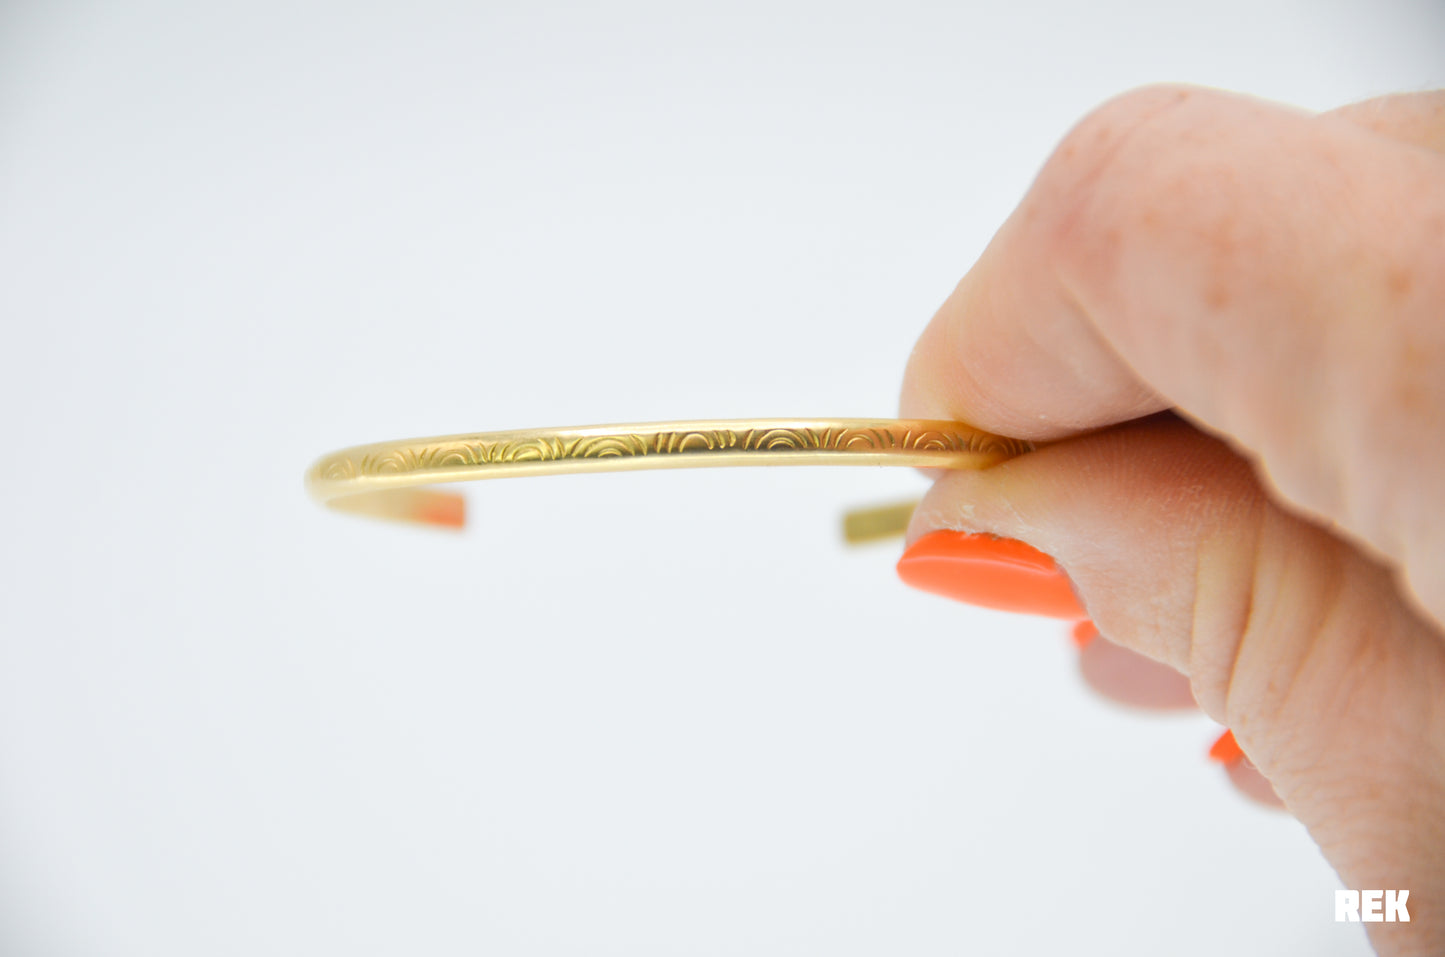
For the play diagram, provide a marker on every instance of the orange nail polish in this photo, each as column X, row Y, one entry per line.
column 990, row 572
column 1226, row 750
column 1083, row 633
column 439, row 508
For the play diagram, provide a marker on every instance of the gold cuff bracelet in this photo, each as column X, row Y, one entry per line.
column 382, row 480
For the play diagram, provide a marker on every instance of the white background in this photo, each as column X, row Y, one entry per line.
column 638, row 714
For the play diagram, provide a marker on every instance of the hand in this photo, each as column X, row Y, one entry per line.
column 1277, row 280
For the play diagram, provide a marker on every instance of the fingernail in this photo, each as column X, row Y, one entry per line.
column 1226, row 750
column 1083, row 633
column 989, row 572
column 450, row 512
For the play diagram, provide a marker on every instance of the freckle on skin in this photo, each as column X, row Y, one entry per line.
column 1223, row 240
column 1216, row 294
column 1399, row 281
column 1413, row 394
column 1224, row 246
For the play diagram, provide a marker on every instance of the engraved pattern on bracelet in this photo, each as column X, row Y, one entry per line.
column 481, row 450
column 361, row 474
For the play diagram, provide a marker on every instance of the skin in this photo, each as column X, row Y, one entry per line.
column 1227, row 318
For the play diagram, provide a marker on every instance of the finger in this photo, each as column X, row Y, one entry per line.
column 1248, row 781
column 1274, row 275
column 1417, row 118
column 1242, row 774
column 1131, row 679
column 1290, row 636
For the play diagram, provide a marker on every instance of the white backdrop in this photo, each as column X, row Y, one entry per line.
column 625, row 714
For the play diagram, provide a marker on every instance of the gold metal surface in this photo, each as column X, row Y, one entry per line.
column 383, row 480
column 863, row 525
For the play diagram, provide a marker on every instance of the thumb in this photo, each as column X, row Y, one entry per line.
column 1288, row 635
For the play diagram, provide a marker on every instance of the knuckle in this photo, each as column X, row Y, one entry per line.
column 1103, row 181
column 1100, row 143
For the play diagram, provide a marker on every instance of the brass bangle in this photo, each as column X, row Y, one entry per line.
column 382, row 480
